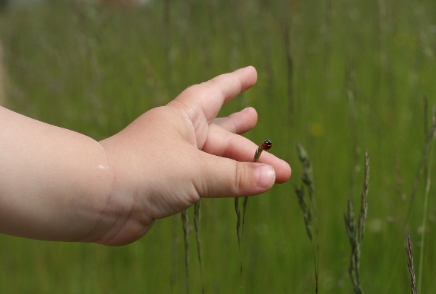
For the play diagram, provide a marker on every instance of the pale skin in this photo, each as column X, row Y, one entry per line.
column 56, row 184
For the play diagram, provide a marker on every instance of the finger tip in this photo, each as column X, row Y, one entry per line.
column 251, row 67
column 251, row 73
column 284, row 173
column 251, row 112
column 251, row 109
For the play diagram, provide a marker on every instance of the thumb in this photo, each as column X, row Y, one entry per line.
column 229, row 178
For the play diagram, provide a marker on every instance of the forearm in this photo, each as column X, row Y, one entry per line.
column 54, row 183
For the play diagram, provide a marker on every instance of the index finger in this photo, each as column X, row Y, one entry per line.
column 206, row 99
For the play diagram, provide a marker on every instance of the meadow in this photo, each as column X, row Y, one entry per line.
column 340, row 77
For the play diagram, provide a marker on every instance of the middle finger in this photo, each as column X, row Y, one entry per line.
column 238, row 122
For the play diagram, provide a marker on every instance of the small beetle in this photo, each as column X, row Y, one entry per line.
column 266, row 145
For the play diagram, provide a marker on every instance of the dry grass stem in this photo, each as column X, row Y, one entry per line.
column 355, row 230
column 308, row 206
column 410, row 266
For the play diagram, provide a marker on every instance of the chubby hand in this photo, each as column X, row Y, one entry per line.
column 171, row 156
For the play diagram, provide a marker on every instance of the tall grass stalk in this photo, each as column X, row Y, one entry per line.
column 352, row 117
column 289, row 67
column 240, row 213
column 308, row 207
column 423, row 170
column 239, row 233
column 186, row 242
column 411, row 266
column 266, row 145
column 197, row 210
column 422, row 165
column 427, row 191
column 355, row 230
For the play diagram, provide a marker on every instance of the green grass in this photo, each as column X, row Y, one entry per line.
column 94, row 69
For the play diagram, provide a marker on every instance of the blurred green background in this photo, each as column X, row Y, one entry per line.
column 338, row 76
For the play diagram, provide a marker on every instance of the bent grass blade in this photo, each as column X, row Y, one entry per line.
column 240, row 213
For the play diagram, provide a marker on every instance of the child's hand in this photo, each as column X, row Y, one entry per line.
column 56, row 184
column 164, row 161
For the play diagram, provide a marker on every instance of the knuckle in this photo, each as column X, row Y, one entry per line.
column 241, row 176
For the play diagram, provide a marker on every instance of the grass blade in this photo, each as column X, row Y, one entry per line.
column 308, row 207
column 240, row 213
column 427, row 191
column 422, row 166
column 410, row 266
column 355, row 230
column 197, row 210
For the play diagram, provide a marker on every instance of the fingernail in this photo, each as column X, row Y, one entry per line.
column 265, row 176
